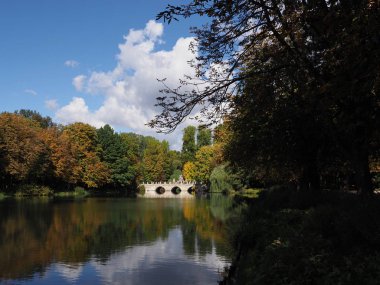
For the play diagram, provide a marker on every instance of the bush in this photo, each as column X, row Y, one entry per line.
column 222, row 180
column 141, row 190
column 33, row 190
column 80, row 191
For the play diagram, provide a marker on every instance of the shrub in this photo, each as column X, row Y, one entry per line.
column 141, row 190
column 80, row 191
column 33, row 190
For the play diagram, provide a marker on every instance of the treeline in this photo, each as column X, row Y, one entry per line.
column 36, row 151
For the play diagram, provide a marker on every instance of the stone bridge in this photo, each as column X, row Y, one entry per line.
column 175, row 189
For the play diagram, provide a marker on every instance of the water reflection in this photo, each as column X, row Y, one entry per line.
column 112, row 241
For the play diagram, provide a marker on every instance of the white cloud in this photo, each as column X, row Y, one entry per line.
column 130, row 88
column 31, row 92
column 78, row 82
column 51, row 104
column 77, row 111
column 71, row 63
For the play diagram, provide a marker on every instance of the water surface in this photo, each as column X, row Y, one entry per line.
column 113, row 241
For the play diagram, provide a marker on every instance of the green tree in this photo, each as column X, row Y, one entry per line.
column 204, row 163
column 44, row 122
column 188, row 144
column 175, row 162
column 114, row 153
column 135, row 146
column 153, row 161
column 203, row 136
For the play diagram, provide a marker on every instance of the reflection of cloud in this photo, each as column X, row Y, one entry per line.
column 163, row 262
column 71, row 273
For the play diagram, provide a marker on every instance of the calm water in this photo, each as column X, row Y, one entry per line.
column 113, row 241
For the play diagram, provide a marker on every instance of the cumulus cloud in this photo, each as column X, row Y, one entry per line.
column 51, row 104
column 130, row 89
column 71, row 63
column 78, row 82
column 77, row 111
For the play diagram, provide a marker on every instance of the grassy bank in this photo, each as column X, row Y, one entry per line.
column 285, row 237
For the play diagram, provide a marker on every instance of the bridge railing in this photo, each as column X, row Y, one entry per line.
column 170, row 183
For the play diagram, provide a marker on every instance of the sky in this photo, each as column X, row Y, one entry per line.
column 92, row 61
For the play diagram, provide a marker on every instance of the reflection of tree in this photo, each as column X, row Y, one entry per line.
column 35, row 234
column 220, row 206
column 201, row 229
column 22, row 234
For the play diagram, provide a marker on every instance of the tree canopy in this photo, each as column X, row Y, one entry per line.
column 298, row 82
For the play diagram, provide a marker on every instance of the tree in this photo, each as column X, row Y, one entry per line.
column 154, row 160
column 222, row 179
column 62, row 154
column 189, row 171
column 92, row 172
column 322, row 56
column 201, row 168
column 135, row 146
column 114, row 153
column 188, row 144
column 204, row 163
column 23, row 153
column 44, row 122
column 175, row 162
column 203, row 136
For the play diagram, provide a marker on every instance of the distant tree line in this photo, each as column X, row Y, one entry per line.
column 35, row 150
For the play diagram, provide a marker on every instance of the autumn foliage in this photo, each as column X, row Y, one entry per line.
column 39, row 153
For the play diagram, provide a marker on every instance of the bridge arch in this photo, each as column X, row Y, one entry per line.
column 176, row 190
column 160, row 190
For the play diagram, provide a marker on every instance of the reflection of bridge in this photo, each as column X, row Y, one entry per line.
column 175, row 189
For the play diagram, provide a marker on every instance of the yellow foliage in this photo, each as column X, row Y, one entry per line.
column 189, row 171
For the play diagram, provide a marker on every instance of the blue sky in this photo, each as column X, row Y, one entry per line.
column 78, row 60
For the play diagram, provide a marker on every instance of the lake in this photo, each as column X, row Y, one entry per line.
column 113, row 241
